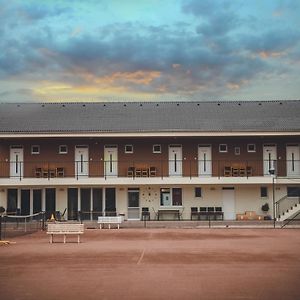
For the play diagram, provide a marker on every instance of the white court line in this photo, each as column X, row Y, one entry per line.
column 141, row 257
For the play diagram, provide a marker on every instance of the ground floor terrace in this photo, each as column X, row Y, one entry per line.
column 151, row 202
column 154, row 264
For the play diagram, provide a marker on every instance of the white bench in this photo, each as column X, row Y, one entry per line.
column 110, row 220
column 65, row 228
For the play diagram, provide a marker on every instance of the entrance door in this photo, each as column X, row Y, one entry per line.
column 228, row 198
column 12, row 201
column 133, row 204
column 269, row 156
column 81, row 161
column 110, row 160
column 293, row 160
column 110, row 201
column 16, row 161
column 50, row 202
column 175, row 160
column 37, row 201
column 25, row 202
column 72, row 204
column 204, row 160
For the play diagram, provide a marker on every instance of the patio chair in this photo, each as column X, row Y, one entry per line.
column 194, row 212
column 145, row 214
column 227, row 171
column 219, row 213
column 130, row 172
column 203, row 212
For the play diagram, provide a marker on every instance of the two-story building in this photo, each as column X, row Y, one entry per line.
column 120, row 157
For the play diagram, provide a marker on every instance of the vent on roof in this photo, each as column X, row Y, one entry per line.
column 83, row 105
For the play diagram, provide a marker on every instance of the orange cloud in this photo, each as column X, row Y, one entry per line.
column 268, row 54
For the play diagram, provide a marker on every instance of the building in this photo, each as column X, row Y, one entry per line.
column 121, row 157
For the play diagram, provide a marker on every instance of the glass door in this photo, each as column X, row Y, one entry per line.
column 133, row 204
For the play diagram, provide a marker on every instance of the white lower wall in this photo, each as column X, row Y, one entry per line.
column 247, row 198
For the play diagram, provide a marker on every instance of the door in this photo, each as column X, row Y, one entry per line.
column 165, row 197
column 85, row 203
column 293, row 160
column 97, row 203
column 133, row 204
column 50, row 202
column 25, row 202
column 81, row 161
column 110, row 160
column 12, row 201
column 72, row 204
column 204, row 160
column 110, row 201
column 16, row 161
column 269, row 157
column 37, row 201
column 228, row 199
column 175, row 160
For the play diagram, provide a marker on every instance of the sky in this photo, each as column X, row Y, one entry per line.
column 144, row 50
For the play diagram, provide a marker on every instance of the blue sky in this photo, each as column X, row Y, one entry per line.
column 93, row 50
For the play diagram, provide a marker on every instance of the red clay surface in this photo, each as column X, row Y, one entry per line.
column 154, row 264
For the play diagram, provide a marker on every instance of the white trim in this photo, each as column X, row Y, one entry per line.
column 128, row 151
column 150, row 134
column 156, row 145
column 62, row 152
column 35, row 152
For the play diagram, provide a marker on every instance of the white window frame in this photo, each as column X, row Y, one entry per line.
column 223, row 151
column 254, row 150
column 267, row 192
column 237, row 151
column 128, row 151
column 62, row 152
column 35, row 152
column 155, row 151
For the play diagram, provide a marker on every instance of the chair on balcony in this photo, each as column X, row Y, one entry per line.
column 138, row 172
column 38, row 172
column 145, row 214
column 145, row 172
column 130, row 171
column 45, row 173
column 60, row 172
column 249, row 171
column 242, row 171
column 203, row 212
column 227, row 171
column 152, row 171
column 194, row 212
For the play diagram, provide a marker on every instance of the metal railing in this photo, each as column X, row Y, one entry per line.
column 147, row 168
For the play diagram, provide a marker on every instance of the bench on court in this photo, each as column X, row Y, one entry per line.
column 110, row 220
column 65, row 229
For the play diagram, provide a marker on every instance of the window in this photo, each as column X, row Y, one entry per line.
column 198, row 192
column 168, row 199
column 293, row 191
column 35, row 149
column 128, row 148
column 237, row 150
column 156, row 149
column 263, row 192
column 251, row 148
column 62, row 149
column 223, row 148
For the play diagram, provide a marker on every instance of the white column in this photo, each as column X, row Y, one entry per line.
column 43, row 199
column 19, row 199
column 31, row 201
column 103, row 199
column 91, row 207
column 79, row 200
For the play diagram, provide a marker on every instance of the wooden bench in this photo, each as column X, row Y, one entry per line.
column 110, row 220
column 64, row 229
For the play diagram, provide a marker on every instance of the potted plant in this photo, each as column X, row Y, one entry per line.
column 265, row 208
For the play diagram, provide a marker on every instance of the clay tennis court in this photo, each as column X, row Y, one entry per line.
column 154, row 264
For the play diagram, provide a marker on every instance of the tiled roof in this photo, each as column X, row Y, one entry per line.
column 122, row 117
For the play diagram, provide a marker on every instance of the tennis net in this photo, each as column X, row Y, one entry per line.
column 15, row 225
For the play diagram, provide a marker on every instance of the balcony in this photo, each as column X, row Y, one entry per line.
column 148, row 169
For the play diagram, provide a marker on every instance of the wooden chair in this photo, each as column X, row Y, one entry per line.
column 249, row 171
column 194, row 212
column 130, row 171
column 145, row 214
column 242, row 171
column 152, row 171
column 227, row 171
column 235, row 171
column 138, row 172
column 60, row 172
column 38, row 172
column 219, row 213
column 203, row 212
column 145, row 172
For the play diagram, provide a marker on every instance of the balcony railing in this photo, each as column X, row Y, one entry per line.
column 148, row 168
